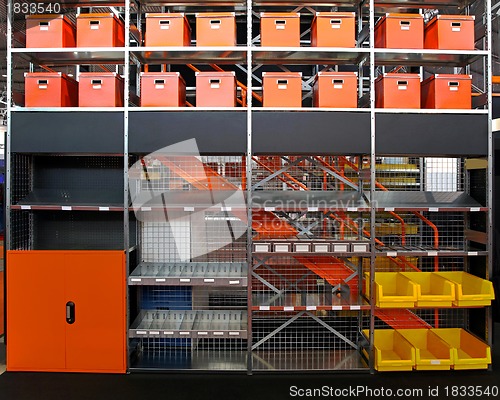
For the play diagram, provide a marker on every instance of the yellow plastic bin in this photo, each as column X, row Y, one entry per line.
column 470, row 290
column 394, row 290
column 431, row 352
column 469, row 352
column 392, row 351
column 432, row 290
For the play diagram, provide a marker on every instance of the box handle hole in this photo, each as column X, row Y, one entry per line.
column 280, row 22
column 44, row 23
column 405, row 23
column 159, row 81
column 454, row 84
column 95, row 23
column 402, row 83
column 215, row 21
column 335, row 21
column 164, row 22
column 214, row 81
column 282, row 81
column 338, row 81
column 96, row 82
column 456, row 24
column 43, row 82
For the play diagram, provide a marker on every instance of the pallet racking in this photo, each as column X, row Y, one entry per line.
column 332, row 196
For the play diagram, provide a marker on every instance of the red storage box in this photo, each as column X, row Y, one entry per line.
column 335, row 29
column 215, row 29
column 49, row 31
column 397, row 91
column 167, row 30
column 447, row 91
column 279, row 29
column 50, row 89
column 215, row 89
column 100, row 89
column 282, row 89
column 162, row 89
column 400, row 31
column 336, row 90
column 99, row 30
column 450, row 32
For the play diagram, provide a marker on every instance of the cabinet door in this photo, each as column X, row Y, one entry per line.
column 95, row 283
column 36, row 314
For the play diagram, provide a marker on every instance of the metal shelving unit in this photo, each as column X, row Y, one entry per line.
column 317, row 215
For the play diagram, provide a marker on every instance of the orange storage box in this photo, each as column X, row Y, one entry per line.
column 333, row 29
column 397, row 91
column 447, row 91
column 50, row 89
column 336, row 90
column 215, row 29
column 215, row 89
column 450, row 32
column 170, row 29
column 99, row 30
column 100, row 89
column 400, row 31
column 279, row 29
column 49, row 31
column 162, row 89
column 282, row 89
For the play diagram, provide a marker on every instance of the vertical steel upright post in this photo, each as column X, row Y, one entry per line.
column 126, row 222
column 249, row 186
column 8, row 154
column 372, row 183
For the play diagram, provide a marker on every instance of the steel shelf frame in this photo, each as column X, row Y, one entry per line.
column 248, row 56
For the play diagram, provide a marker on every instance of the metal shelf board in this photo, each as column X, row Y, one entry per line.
column 72, row 199
column 424, row 3
column 203, row 3
column 428, row 57
column 190, row 324
column 308, row 55
column 67, row 109
column 73, row 55
column 191, row 55
column 310, row 302
column 52, row 207
column 394, row 251
column 428, row 111
column 190, row 274
column 311, row 200
column 425, row 201
column 86, row 3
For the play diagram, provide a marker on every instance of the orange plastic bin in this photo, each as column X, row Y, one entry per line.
column 400, row 31
column 49, row 31
column 336, row 90
column 162, row 89
column 397, row 91
column 279, row 29
column 282, row 89
column 333, row 29
column 171, row 29
column 100, row 89
column 215, row 29
column 447, row 91
column 50, row 89
column 99, row 30
column 215, row 89
column 450, row 32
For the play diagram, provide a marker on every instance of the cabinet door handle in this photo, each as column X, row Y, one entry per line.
column 70, row 312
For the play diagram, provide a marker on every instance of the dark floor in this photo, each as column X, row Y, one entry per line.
column 28, row 386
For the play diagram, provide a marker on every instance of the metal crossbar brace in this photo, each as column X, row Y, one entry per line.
column 303, row 229
column 279, row 172
column 335, row 175
column 334, row 331
column 305, row 170
column 278, row 295
column 278, row 330
column 266, row 283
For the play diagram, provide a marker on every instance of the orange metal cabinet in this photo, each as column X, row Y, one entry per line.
column 397, row 91
column 100, row 89
column 171, row 29
column 44, row 288
column 335, row 29
column 162, row 89
column 215, row 29
column 99, row 30
column 336, row 90
column 46, row 31
column 279, row 29
column 400, row 31
column 447, row 91
column 215, row 89
column 282, row 89
column 450, row 32
column 50, row 89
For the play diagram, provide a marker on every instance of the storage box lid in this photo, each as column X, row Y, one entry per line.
column 335, row 15
column 42, row 75
column 215, row 74
column 282, row 74
column 390, row 75
column 449, row 77
column 46, row 16
column 458, row 18
column 400, row 16
column 99, row 75
column 165, row 15
column 161, row 75
column 279, row 15
column 335, row 75
column 216, row 15
column 99, row 16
